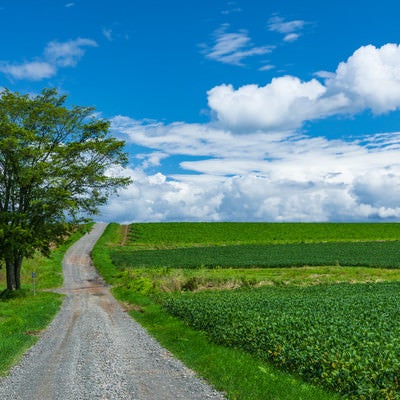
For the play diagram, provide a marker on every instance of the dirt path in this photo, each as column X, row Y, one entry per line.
column 125, row 235
column 94, row 350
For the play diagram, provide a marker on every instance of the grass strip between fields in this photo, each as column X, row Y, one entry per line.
column 234, row 372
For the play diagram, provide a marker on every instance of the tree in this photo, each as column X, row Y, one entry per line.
column 54, row 173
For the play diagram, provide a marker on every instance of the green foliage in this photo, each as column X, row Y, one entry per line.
column 344, row 337
column 232, row 371
column 53, row 173
column 141, row 285
column 48, row 269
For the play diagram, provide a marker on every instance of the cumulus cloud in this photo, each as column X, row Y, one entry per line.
column 56, row 55
column 154, row 198
column 369, row 79
column 252, row 162
column 289, row 189
column 379, row 189
column 285, row 101
column 260, row 176
column 233, row 47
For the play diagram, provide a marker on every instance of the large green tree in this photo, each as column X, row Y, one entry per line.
column 54, row 172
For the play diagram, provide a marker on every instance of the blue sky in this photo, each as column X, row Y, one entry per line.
column 231, row 110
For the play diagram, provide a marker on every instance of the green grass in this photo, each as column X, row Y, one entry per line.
column 154, row 280
column 24, row 315
column 224, row 233
column 21, row 320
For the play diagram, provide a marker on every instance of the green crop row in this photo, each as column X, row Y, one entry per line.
column 217, row 233
column 373, row 254
column 343, row 337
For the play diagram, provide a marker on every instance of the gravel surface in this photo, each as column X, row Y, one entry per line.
column 94, row 350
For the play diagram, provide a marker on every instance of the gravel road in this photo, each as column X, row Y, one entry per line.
column 94, row 350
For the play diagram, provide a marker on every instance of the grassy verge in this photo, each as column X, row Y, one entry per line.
column 21, row 320
column 234, row 372
column 24, row 315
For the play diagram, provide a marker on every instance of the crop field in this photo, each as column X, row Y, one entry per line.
column 237, row 245
column 224, row 233
column 370, row 254
column 343, row 336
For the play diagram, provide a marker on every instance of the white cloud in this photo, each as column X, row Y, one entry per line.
column 290, row 29
column 67, row 54
column 291, row 37
column 260, row 176
column 285, row 102
column 279, row 24
column 233, row 47
column 34, row 70
column 354, row 186
column 194, row 139
column 231, row 11
column 152, row 159
column 154, row 198
column 252, row 163
column 231, row 7
column 266, row 67
column 369, row 79
column 56, row 55
column 108, row 33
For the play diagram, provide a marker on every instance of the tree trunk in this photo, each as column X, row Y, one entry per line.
column 13, row 268
column 17, row 272
column 10, row 270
